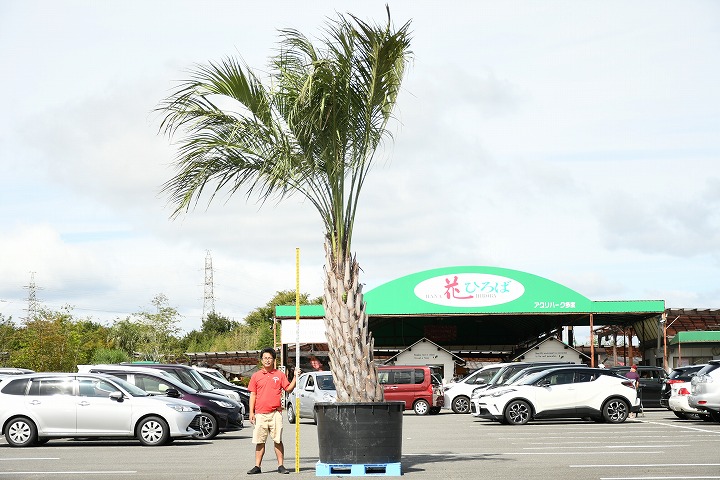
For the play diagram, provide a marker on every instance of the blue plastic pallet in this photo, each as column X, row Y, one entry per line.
column 359, row 470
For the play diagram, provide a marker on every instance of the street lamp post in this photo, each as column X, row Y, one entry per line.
column 665, row 327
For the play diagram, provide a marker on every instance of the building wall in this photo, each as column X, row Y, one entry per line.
column 552, row 350
column 426, row 353
column 684, row 354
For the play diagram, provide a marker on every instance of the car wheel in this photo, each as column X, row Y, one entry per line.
column 421, row 407
column 153, row 431
column 715, row 416
column 615, row 411
column 290, row 413
column 680, row 415
column 315, row 417
column 434, row 410
column 207, row 427
column 461, row 404
column 21, row 432
column 517, row 412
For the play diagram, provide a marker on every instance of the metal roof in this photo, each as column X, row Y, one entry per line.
column 696, row 337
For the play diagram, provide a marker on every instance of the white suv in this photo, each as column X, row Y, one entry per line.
column 705, row 390
column 561, row 393
column 457, row 394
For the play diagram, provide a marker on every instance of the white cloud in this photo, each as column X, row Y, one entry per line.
column 576, row 142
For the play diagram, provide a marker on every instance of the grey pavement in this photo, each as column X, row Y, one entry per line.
column 654, row 445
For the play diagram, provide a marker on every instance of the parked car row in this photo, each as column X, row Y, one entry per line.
column 705, row 390
column 508, row 373
column 676, row 390
column 560, row 392
column 652, row 381
column 414, row 385
column 37, row 407
column 157, row 403
column 457, row 394
column 219, row 413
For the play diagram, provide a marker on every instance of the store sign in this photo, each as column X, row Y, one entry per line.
column 469, row 290
column 311, row 331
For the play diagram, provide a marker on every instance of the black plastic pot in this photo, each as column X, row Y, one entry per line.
column 360, row 433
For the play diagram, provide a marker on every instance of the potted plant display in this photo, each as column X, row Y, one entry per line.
column 313, row 128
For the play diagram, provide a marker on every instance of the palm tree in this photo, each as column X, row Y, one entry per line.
column 314, row 131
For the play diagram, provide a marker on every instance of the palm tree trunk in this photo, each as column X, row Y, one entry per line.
column 350, row 342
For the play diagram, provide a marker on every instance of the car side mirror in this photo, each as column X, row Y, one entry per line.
column 117, row 396
column 172, row 392
column 310, row 388
column 544, row 383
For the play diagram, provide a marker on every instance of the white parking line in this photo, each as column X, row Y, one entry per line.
column 686, row 427
column 575, row 453
column 70, row 472
column 605, row 446
column 600, row 442
column 716, row 435
column 663, row 465
column 656, row 478
column 28, row 458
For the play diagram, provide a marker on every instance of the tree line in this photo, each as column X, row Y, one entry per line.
column 58, row 341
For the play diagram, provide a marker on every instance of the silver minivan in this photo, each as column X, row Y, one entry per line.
column 312, row 387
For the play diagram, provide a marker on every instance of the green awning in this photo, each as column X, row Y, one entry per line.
column 696, row 337
column 473, row 290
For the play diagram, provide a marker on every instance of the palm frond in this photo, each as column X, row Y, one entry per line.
column 313, row 130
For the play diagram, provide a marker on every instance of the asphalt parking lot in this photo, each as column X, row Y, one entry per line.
column 656, row 445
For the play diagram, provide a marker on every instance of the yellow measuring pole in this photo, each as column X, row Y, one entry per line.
column 297, row 358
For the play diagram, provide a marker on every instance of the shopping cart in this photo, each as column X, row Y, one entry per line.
column 639, row 393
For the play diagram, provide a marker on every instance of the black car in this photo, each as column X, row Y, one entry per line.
column 678, row 375
column 218, row 413
column 224, row 384
column 652, row 380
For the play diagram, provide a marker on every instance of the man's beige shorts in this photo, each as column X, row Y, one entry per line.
column 268, row 423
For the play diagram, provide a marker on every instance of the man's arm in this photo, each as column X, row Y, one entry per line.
column 291, row 386
column 252, row 407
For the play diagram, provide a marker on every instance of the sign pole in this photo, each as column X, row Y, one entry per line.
column 297, row 358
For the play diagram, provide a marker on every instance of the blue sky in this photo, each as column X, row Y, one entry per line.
column 575, row 140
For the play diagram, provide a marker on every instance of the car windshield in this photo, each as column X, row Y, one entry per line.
column 325, row 382
column 191, row 378
column 215, row 381
column 129, row 387
column 213, row 373
column 532, row 378
column 521, row 375
column 502, row 376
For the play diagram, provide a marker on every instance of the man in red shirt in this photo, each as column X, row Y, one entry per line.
column 266, row 387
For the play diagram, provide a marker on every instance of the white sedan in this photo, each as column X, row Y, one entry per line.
column 561, row 393
column 37, row 407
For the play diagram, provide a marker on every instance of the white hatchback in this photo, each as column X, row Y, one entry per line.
column 312, row 388
column 37, row 407
column 457, row 394
column 561, row 393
